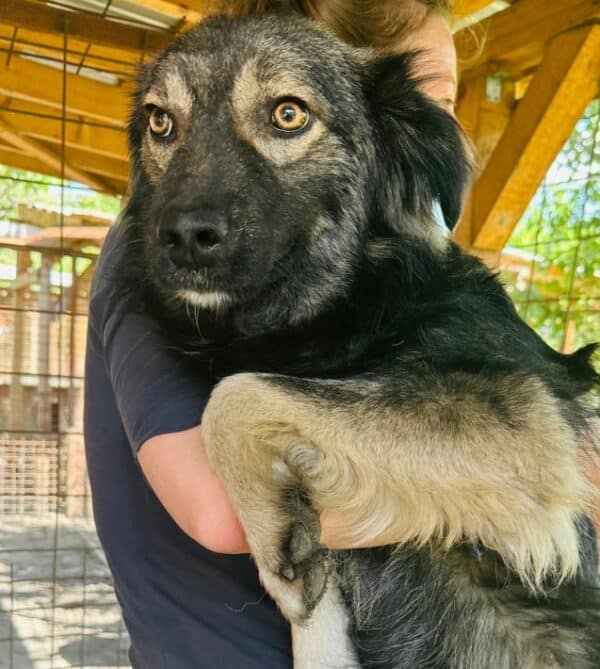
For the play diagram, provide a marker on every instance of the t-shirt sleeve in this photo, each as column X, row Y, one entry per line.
column 154, row 391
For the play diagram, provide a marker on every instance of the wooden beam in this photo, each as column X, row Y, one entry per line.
column 468, row 111
column 41, row 217
column 18, row 344
column 98, row 165
column 108, row 142
column 522, row 30
column 565, row 83
column 26, row 80
column 37, row 150
column 20, row 244
column 113, row 175
column 468, row 7
column 42, row 18
column 187, row 13
column 31, row 164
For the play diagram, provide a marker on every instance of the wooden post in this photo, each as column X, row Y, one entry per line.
column 43, row 352
column 564, row 84
column 18, row 334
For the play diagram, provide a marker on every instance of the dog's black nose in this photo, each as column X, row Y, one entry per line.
column 191, row 238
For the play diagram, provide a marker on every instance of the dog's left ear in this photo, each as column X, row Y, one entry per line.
column 422, row 154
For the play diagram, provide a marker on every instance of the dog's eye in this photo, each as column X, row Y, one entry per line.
column 160, row 123
column 290, row 116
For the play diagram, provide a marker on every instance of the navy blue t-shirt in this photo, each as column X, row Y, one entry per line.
column 184, row 607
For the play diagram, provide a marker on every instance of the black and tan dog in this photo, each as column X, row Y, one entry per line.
column 281, row 224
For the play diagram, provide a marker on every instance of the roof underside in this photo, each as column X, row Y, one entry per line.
column 103, row 42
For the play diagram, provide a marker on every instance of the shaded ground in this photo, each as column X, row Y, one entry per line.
column 57, row 606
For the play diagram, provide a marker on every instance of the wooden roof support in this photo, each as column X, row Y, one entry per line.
column 468, row 112
column 83, row 26
column 468, row 7
column 25, row 80
column 186, row 12
column 484, row 121
column 92, row 139
column 527, row 24
column 51, row 218
column 98, row 165
column 565, row 83
column 37, row 150
column 22, row 161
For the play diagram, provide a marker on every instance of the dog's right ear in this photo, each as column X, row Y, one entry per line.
column 422, row 155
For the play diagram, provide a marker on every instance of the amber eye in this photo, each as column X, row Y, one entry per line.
column 290, row 116
column 160, row 123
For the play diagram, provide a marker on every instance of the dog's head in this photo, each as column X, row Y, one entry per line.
column 267, row 156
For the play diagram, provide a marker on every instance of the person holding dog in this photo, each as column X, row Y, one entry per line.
column 189, row 595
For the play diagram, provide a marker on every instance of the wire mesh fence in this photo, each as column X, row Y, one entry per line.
column 552, row 262
column 57, row 607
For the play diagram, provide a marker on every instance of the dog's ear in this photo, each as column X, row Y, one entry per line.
column 422, row 155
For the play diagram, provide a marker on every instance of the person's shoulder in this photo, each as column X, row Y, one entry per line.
column 105, row 295
column 111, row 254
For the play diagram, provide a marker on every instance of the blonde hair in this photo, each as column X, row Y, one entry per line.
column 378, row 23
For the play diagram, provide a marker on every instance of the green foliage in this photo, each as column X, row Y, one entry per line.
column 20, row 186
column 559, row 242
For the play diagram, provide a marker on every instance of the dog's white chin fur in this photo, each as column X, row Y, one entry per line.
column 213, row 300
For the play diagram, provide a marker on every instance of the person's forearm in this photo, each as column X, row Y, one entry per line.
column 177, row 469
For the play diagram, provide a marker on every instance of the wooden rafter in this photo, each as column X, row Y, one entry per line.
column 88, row 27
column 565, row 83
column 41, row 217
column 187, row 12
column 98, row 165
column 514, row 40
column 108, row 142
column 37, row 150
column 16, row 158
column 468, row 7
column 29, row 81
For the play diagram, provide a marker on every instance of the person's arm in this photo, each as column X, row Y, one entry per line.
column 180, row 475
column 160, row 404
column 176, row 467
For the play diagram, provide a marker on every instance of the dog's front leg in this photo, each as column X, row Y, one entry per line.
column 323, row 642
column 408, row 458
column 248, row 436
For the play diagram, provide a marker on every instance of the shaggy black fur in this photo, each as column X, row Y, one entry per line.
column 399, row 302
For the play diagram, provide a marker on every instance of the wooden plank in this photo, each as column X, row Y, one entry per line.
column 100, row 57
column 51, row 218
column 18, row 340
column 25, row 162
column 485, row 121
column 526, row 26
column 98, row 165
column 186, row 12
column 37, row 150
column 565, row 83
column 468, row 111
column 468, row 7
column 112, row 175
column 26, row 80
column 111, row 143
column 44, row 19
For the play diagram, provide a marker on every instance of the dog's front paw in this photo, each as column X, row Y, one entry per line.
column 298, row 587
column 297, row 576
column 304, row 558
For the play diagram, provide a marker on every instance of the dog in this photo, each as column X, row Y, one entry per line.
column 281, row 227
